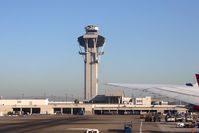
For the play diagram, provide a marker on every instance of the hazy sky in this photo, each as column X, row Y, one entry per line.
column 147, row 41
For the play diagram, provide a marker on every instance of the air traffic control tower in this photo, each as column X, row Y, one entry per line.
column 92, row 44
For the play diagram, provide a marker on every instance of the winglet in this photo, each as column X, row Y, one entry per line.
column 197, row 78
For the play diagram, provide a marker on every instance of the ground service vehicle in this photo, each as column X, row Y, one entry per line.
column 189, row 118
column 92, row 131
column 180, row 124
column 128, row 127
column 178, row 119
column 170, row 119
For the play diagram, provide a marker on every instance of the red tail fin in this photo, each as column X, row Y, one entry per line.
column 197, row 78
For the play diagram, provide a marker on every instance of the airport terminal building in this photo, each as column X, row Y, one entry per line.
column 121, row 107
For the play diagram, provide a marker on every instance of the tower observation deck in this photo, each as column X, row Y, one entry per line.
column 91, row 48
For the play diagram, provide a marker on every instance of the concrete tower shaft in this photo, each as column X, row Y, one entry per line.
column 91, row 42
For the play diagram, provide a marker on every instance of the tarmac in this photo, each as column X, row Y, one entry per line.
column 78, row 124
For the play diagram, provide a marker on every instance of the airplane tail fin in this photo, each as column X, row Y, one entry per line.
column 197, row 79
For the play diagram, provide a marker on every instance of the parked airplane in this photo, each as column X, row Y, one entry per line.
column 188, row 93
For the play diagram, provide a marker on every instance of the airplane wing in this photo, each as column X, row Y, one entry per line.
column 184, row 93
